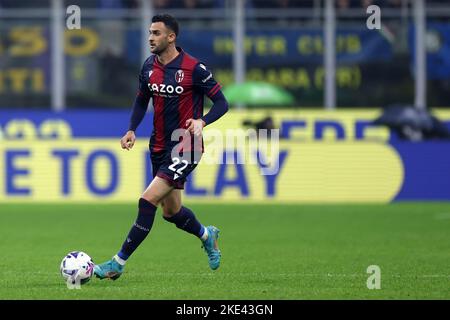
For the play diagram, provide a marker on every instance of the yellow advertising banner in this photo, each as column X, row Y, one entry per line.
column 89, row 170
column 319, row 157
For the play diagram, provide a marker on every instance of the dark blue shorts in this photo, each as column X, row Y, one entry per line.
column 174, row 170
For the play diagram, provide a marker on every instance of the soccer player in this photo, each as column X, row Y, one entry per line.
column 177, row 82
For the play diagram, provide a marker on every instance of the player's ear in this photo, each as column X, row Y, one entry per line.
column 172, row 37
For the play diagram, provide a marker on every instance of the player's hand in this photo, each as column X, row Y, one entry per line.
column 127, row 141
column 195, row 126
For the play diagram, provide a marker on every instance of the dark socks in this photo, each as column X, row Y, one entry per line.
column 140, row 229
column 185, row 220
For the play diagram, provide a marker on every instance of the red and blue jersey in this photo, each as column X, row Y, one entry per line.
column 178, row 89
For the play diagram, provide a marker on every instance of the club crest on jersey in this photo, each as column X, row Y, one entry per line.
column 179, row 76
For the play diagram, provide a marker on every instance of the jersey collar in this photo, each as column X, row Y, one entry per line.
column 174, row 60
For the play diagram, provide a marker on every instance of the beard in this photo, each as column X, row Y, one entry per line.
column 159, row 49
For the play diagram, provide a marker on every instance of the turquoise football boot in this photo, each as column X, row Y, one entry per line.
column 211, row 247
column 111, row 269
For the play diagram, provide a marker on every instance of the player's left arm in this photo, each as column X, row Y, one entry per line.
column 204, row 81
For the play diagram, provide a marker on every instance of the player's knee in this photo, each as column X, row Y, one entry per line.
column 169, row 211
column 150, row 199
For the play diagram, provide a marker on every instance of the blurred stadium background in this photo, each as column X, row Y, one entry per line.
column 368, row 127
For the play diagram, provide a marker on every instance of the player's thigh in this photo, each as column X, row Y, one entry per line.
column 157, row 191
column 171, row 203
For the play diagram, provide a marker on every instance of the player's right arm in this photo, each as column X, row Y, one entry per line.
column 139, row 109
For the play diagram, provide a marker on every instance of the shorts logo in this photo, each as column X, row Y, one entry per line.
column 179, row 76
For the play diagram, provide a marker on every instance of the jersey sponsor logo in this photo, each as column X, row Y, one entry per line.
column 163, row 88
column 179, row 76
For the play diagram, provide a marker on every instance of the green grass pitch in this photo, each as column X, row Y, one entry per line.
column 268, row 252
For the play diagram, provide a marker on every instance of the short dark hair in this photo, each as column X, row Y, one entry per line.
column 168, row 20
